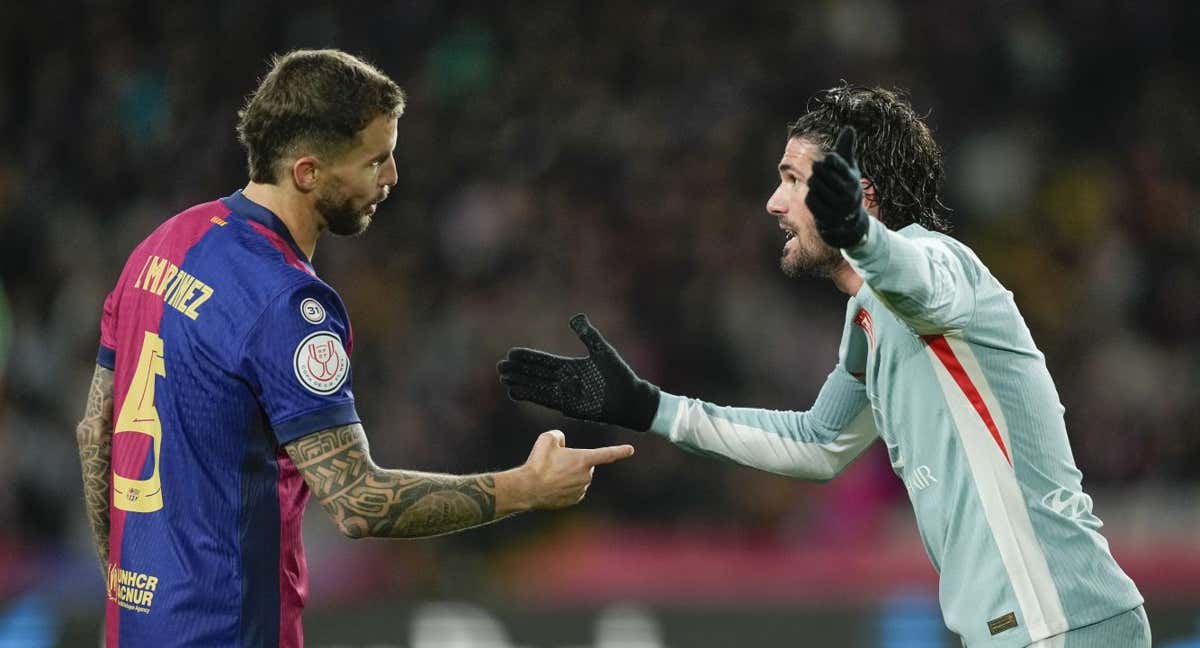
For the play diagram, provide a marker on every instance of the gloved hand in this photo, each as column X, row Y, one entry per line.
column 599, row 387
column 835, row 194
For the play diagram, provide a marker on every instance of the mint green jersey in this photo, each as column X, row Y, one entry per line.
column 936, row 360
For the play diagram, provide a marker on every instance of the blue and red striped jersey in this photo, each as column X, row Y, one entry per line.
column 225, row 346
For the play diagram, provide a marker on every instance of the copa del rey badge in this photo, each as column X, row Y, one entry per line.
column 321, row 363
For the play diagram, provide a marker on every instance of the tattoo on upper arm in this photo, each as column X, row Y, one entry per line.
column 332, row 461
column 94, row 437
column 367, row 501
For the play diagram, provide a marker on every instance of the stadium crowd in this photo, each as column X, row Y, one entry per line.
column 615, row 159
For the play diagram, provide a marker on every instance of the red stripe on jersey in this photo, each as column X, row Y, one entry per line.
column 289, row 254
column 941, row 348
column 133, row 313
column 293, row 568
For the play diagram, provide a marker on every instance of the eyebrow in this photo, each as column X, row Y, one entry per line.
column 786, row 167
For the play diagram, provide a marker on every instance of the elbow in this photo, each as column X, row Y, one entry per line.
column 816, row 476
column 348, row 524
column 355, row 529
column 833, row 468
column 819, row 472
column 353, row 532
column 825, row 477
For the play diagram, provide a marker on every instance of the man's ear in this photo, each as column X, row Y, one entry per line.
column 870, row 203
column 304, row 173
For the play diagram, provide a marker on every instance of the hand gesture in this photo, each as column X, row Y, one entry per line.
column 835, row 194
column 598, row 387
column 558, row 476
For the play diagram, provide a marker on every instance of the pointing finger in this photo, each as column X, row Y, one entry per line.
column 845, row 145
column 607, row 454
column 833, row 167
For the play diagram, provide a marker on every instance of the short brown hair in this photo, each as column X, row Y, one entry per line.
column 896, row 150
column 316, row 98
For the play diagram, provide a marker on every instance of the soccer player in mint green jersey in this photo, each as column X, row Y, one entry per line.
column 935, row 359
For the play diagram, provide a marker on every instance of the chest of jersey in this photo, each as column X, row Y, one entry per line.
column 894, row 363
column 891, row 360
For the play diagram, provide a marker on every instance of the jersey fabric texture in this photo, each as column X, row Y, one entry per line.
column 1128, row 630
column 937, row 361
column 225, row 346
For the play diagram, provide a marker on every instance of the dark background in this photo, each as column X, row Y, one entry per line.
column 615, row 158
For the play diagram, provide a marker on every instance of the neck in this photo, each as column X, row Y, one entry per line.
column 846, row 279
column 296, row 213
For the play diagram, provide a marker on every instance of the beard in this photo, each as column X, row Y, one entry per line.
column 342, row 216
column 818, row 259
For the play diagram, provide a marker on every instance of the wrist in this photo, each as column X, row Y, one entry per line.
column 645, row 405
column 514, row 491
column 664, row 416
column 863, row 229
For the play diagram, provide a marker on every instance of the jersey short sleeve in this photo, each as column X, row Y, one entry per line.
column 296, row 357
column 107, row 355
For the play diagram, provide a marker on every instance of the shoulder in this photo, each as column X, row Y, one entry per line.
column 254, row 269
column 311, row 300
column 299, row 345
column 296, row 312
column 256, row 276
column 948, row 246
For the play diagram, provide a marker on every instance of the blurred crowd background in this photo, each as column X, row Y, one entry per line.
column 615, row 158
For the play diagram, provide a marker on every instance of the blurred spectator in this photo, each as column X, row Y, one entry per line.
column 615, row 158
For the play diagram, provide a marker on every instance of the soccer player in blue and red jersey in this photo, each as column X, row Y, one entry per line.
column 226, row 361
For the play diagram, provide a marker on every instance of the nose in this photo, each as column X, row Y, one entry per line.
column 777, row 203
column 390, row 175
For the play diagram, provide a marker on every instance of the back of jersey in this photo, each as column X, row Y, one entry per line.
column 204, row 540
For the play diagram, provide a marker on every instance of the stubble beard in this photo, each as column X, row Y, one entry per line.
column 342, row 217
column 819, row 260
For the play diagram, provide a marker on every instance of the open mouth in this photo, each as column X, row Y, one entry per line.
column 370, row 208
column 788, row 234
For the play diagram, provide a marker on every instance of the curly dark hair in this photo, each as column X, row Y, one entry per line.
column 896, row 151
column 315, row 98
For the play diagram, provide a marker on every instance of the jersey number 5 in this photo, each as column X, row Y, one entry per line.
column 139, row 416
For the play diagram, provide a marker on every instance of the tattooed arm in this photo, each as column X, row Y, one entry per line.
column 94, row 437
column 365, row 500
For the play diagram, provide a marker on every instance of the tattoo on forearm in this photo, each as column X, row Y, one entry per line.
column 368, row 501
column 94, row 437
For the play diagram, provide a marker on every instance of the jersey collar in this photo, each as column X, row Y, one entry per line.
column 240, row 204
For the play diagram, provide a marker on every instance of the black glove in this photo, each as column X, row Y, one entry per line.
column 600, row 387
column 835, row 194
